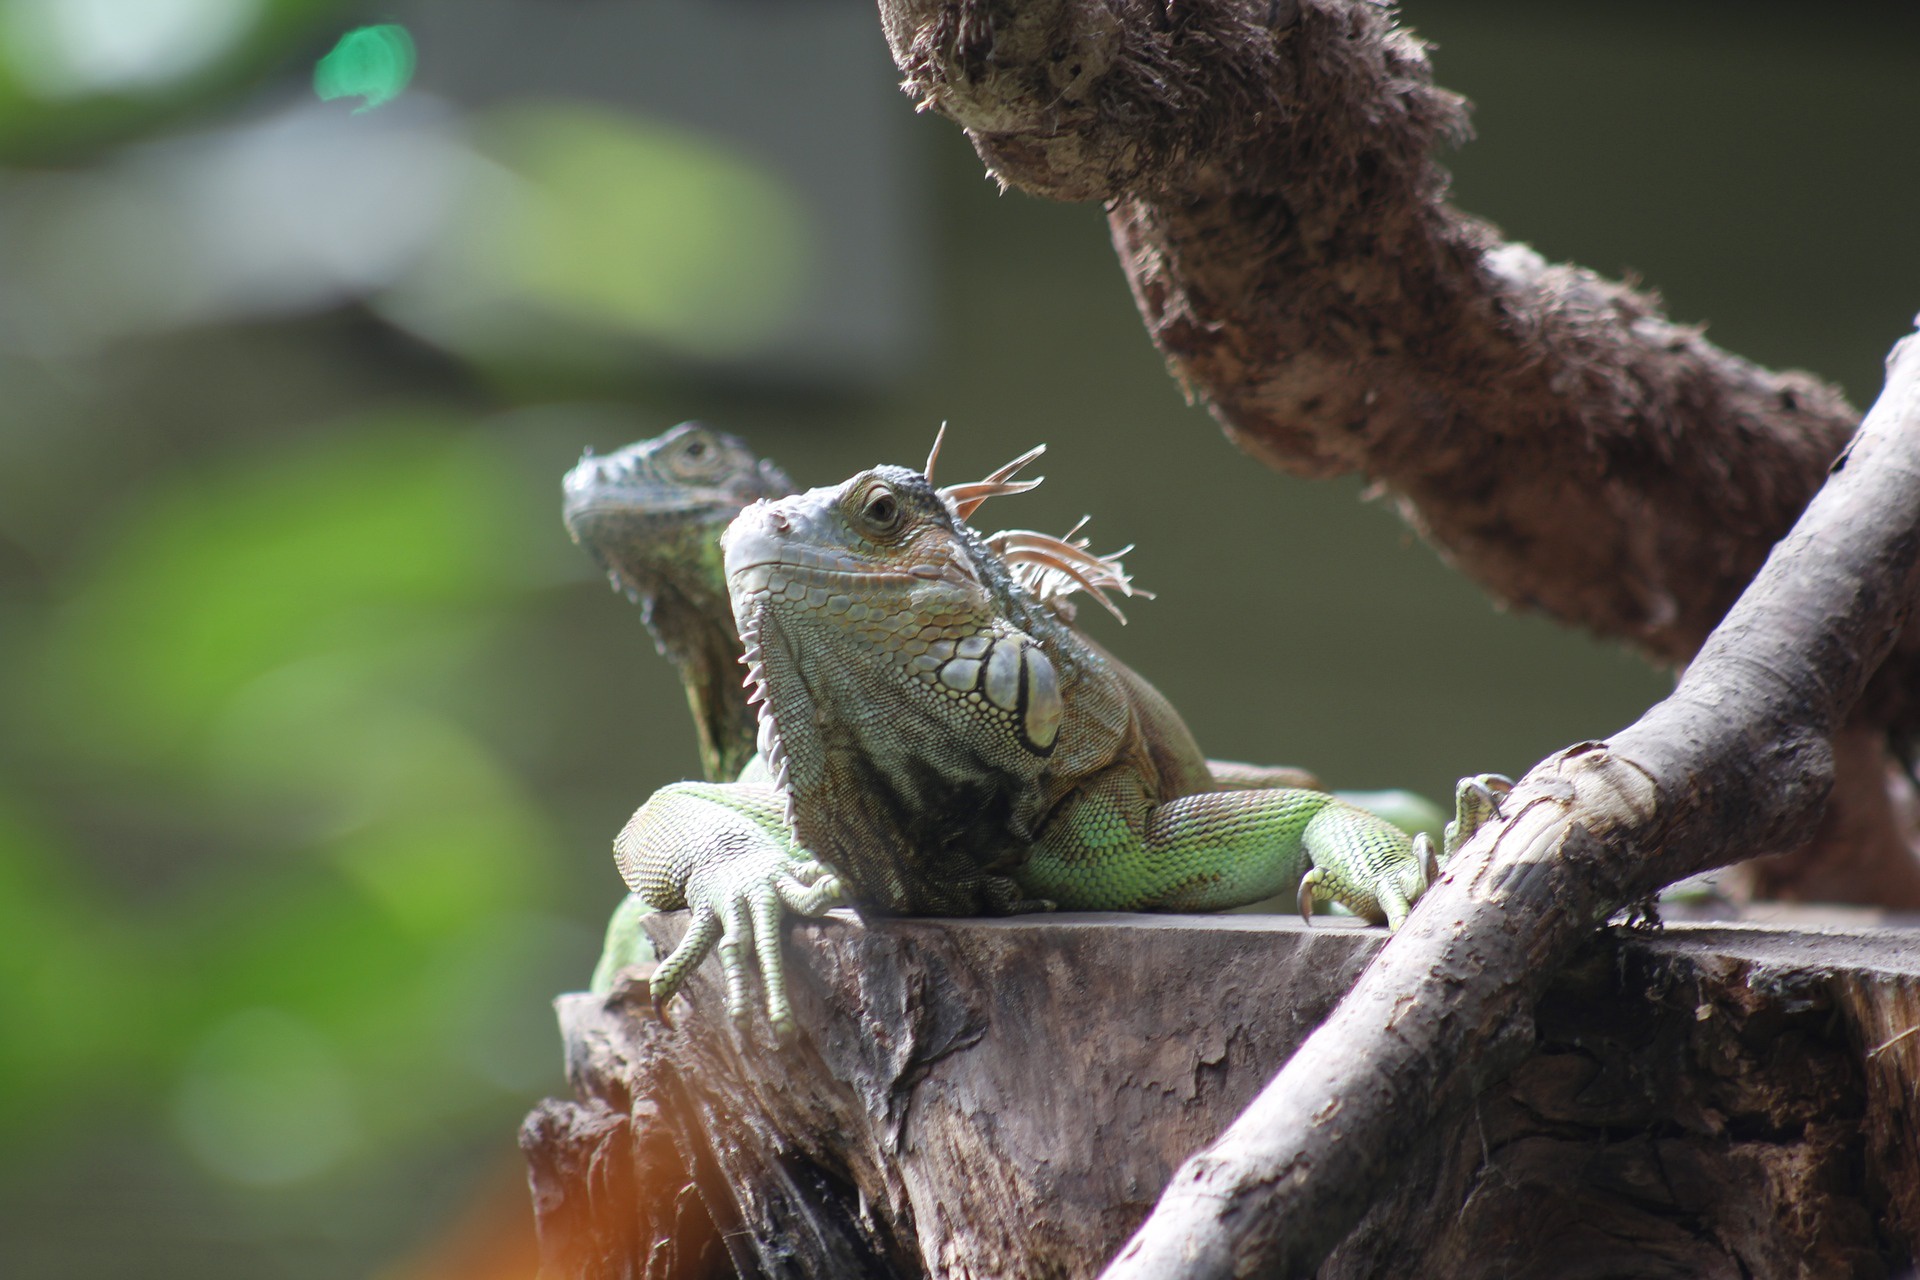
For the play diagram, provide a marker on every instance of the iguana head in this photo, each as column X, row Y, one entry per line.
column 651, row 514
column 912, row 683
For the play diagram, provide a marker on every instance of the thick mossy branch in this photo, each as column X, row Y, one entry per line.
column 1738, row 759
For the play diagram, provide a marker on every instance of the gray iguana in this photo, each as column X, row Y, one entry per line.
column 942, row 741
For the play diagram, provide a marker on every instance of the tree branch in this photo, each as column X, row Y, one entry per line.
column 1739, row 758
column 1269, row 175
column 1276, row 204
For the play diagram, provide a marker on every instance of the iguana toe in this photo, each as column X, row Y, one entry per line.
column 1304, row 895
column 734, row 943
column 681, row 961
column 1476, row 801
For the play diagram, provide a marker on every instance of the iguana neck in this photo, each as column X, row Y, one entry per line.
column 698, row 637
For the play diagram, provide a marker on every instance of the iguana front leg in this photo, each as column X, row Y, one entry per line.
column 1112, row 848
column 1380, row 883
column 722, row 850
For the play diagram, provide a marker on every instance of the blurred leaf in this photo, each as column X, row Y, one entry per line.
column 266, row 1099
column 283, row 642
column 78, row 74
column 355, row 546
column 75, row 990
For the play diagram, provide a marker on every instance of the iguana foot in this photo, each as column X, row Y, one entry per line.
column 1004, row 897
column 1366, row 865
column 1363, row 862
column 1373, row 870
column 738, row 904
column 1476, row 801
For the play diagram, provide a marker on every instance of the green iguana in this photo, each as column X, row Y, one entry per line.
column 651, row 514
column 945, row 742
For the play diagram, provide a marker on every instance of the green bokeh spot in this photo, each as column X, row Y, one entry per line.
column 374, row 63
column 637, row 226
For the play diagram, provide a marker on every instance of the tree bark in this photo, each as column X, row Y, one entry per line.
column 1269, row 175
column 1005, row 1098
column 1738, row 760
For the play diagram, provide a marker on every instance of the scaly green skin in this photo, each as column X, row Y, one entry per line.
column 652, row 513
column 948, row 744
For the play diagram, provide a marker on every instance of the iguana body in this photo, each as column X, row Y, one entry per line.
column 945, row 742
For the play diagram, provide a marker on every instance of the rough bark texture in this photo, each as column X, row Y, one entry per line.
column 1738, row 760
column 1268, row 169
column 1005, row 1098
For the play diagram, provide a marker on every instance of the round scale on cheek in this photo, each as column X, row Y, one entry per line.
column 1003, row 673
column 961, row 674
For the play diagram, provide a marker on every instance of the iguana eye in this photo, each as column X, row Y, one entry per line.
column 882, row 510
column 698, row 457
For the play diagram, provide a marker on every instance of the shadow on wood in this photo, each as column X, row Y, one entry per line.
column 1003, row 1098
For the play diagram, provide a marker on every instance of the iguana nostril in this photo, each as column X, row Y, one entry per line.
column 779, row 522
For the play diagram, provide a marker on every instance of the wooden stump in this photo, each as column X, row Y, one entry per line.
column 1007, row 1098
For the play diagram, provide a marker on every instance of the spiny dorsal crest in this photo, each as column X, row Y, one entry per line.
column 965, row 499
column 1048, row 568
column 1054, row 568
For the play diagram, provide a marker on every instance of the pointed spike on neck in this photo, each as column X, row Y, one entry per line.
column 968, row 498
column 1012, row 469
column 933, row 454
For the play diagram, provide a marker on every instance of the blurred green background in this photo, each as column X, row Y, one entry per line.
column 314, row 728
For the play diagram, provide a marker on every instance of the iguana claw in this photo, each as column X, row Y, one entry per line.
column 1424, row 854
column 1476, row 801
